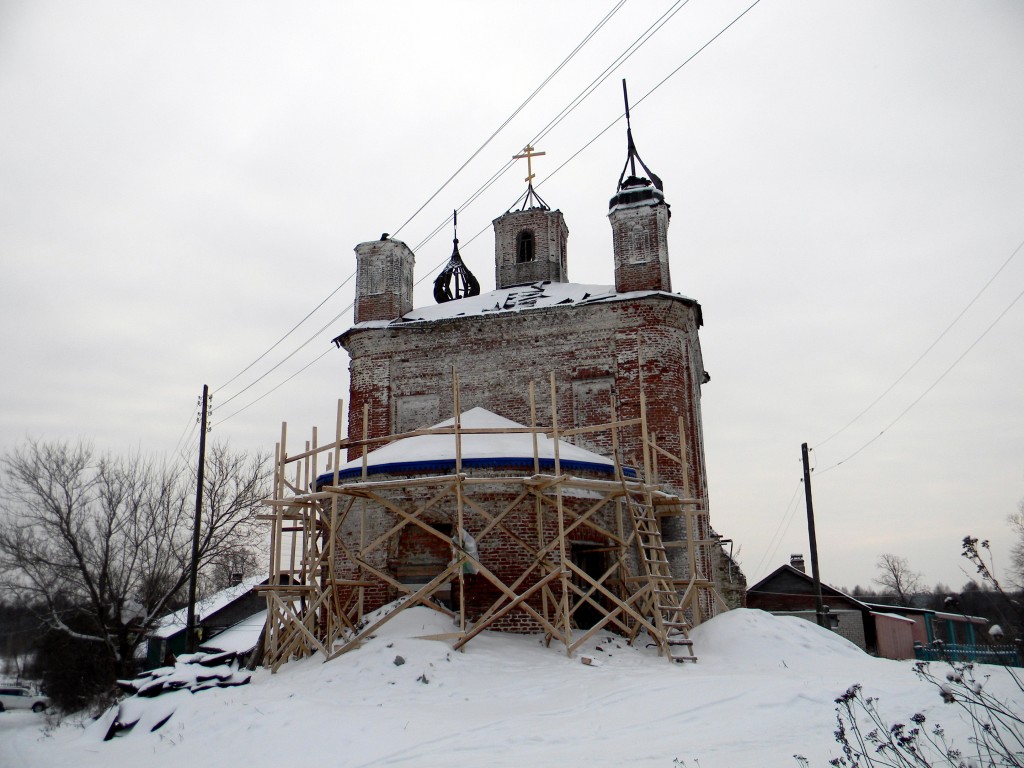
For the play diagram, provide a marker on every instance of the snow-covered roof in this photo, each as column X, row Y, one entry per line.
column 940, row 615
column 516, row 299
column 173, row 623
column 894, row 616
column 944, row 616
column 437, row 452
column 239, row 638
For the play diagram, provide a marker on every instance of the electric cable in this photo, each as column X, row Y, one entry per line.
column 289, row 333
column 629, row 51
column 929, row 349
column 292, row 354
column 507, row 120
column 190, row 424
column 780, row 530
column 517, row 110
column 580, row 97
column 934, row 384
column 274, row 389
column 621, row 59
column 652, row 90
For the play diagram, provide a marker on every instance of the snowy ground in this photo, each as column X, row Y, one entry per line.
column 762, row 691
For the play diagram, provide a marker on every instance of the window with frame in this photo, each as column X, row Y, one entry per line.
column 525, row 247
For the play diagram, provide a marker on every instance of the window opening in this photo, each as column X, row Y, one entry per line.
column 524, row 247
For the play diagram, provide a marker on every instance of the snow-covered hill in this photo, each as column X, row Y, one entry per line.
column 762, row 691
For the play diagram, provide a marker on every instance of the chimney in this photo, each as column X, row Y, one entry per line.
column 797, row 561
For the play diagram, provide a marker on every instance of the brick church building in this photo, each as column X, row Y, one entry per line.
column 602, row 341
column 529, row 458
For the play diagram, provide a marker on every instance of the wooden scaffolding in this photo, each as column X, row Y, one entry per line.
column 653, row 589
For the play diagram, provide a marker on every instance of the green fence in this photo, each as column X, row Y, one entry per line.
column 1006, row 655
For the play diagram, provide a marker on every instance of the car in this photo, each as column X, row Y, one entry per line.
column 16, row 697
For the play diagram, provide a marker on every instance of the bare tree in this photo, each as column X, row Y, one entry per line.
column 897, row 579
column 110, row 539
column 1017, row 548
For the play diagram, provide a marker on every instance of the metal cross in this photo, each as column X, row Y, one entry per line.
column 529, row 154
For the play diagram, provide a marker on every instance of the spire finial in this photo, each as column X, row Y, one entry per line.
column 630, row 146
column 455, row 280
column 632, row 156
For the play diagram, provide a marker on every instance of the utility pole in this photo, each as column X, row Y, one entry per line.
column 190, row 622
column 819, row 605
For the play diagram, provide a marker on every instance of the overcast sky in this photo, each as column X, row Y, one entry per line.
column 182, row 183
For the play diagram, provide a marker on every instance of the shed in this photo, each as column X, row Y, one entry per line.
column 894, row 635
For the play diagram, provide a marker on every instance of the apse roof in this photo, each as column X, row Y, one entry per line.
column 434, row 453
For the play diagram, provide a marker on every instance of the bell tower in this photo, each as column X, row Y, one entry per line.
column 530, row 243
column 639, row 217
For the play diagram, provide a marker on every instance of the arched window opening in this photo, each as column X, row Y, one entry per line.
column 524, row 247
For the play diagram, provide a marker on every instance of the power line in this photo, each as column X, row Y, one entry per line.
column 652, row 90
column 292, row 354
column 312, row 362
column 190, row 424
column 186, row 454
column 780, row 530
column 573, row 104
column 934, row 384
column 268, row 392
column 517, row 110
column 621, row 59
column 929, row 349
column 289, row 333
column 507, row 120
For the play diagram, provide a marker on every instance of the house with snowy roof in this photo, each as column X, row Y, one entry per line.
column 525, row 459
column 228, row 620
column 889, row 631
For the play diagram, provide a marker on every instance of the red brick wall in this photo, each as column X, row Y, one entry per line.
column 595, row 350
column 616, row 344
column 550, row 242
column 384, row 280
column 640, row 244
column 499, row 552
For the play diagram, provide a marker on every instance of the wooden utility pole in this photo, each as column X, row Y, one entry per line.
column 819, row 605
column 190, row 622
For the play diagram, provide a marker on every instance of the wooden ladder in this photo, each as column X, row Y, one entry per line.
column 664, row 603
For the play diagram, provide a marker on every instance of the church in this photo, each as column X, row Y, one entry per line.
column 527, row 459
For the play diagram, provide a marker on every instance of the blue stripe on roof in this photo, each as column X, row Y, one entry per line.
column 503, row 462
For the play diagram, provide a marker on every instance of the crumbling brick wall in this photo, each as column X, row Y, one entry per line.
column 500, row 551
column 403, row 373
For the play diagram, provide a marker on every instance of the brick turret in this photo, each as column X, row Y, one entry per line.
column 384, row 280
column 529, row 246
column 639, row 217
column 529, row 243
